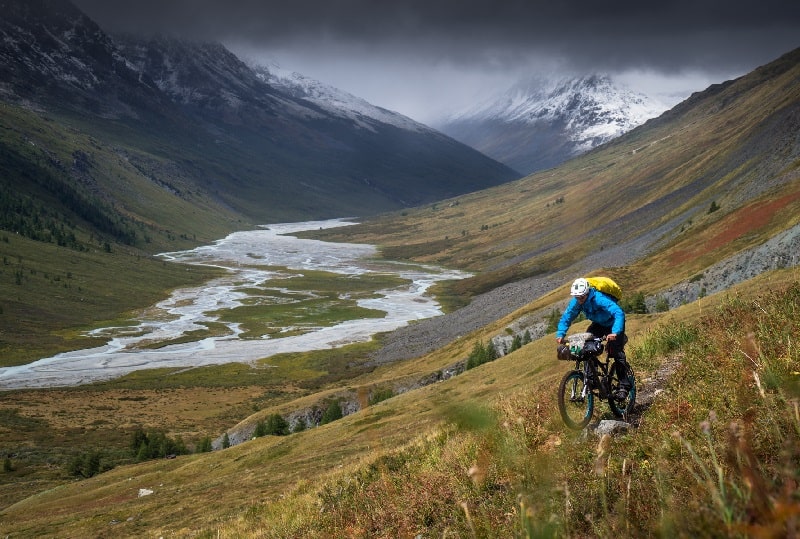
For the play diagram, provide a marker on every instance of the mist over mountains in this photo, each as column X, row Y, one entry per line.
column 260, row 149
column 276, row 145
column 113, row 148
column 539, row 123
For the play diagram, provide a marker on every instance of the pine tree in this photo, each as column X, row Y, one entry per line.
column 204, row 446
column 552, row 321
column 276, row 425
column 333, row 413
column 526, row 338
column 300, row 425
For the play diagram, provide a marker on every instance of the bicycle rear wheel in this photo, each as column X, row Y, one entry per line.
column 575, row 400
column 621, row 408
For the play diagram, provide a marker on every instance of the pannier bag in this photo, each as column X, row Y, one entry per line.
column 574, row 345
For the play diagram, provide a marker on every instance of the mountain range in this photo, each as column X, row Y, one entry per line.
column 541, row 122
column 194, row 110
column 697, row 210
column 113, row 148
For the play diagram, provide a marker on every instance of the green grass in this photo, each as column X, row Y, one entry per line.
column 311, row 369
column 50, row 296
column 485, row 454
column 330, row 299
column 721, row 451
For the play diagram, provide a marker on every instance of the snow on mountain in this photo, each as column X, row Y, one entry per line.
column 334, row 100
column 575, row 114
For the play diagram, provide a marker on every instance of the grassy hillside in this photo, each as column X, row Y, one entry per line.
column 80, row 222
column 484, row 454
column 716, row 448
column 732, row 148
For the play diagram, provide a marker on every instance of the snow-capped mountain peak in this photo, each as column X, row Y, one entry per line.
column 334, row 100
column 540, row 122
column 593, row 108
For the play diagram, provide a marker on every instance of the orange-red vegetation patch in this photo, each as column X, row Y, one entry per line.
column 734, row 226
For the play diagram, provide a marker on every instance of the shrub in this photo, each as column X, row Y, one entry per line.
column 332, row 413
column 481, row 354
column 552, row 321
column 300, row 425
column 86, row 465
column 380, row 394
column 634, row 304
column 275, row 425
column 204, row 446
column 154, row 445
column 526, row 337
column 516, row 343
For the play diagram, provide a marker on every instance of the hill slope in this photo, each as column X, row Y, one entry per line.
column 405, row 465
column 734, row 145
column 206, row 116
column 130, row 147
column 732, row 149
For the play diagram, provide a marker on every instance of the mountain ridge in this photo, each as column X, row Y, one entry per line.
column 540, row 122
column 267, row 154
column 713, row 178
column 334, row 99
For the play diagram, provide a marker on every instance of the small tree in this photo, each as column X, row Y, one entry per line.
column 226, row 441
column 635, row 304
column 204, row 446
column 380, row 394
column 481, row 354
column 332, row 413
column 85, row 465
column 276, row 425
column 299, row 425
column 552, row 321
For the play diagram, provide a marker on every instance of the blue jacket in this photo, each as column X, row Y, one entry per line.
column 598, row 308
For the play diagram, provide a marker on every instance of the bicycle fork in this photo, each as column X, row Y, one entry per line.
column 578, row 396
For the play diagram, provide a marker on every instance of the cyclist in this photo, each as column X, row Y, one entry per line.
column 608, row 320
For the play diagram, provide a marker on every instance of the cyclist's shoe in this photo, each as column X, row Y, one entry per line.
column 621, row 394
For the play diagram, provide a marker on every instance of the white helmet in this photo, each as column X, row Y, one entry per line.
column 579, row 288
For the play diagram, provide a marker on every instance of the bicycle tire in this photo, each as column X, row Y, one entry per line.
column 623, row 408
column 576, row 410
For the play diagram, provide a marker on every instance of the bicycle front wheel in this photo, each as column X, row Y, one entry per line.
column 575, row 400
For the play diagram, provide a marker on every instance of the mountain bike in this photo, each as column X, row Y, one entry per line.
column 591, row 379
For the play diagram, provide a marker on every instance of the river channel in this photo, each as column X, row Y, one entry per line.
column 251, row 258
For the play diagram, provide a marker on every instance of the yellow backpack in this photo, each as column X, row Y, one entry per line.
column 607, row 286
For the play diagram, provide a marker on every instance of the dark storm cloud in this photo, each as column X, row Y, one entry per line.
column 666, row 35
column 427, row 57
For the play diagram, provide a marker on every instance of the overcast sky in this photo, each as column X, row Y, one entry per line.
column 424, row 58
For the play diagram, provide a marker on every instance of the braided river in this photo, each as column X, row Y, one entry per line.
column 250, row 258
